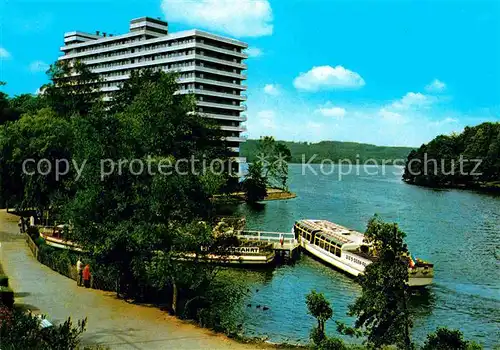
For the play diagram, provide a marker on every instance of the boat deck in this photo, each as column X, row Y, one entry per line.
column 340, row 233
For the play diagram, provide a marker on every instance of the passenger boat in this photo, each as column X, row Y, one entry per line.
column 346, row 250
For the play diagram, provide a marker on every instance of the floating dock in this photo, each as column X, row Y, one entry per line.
column 284, row 243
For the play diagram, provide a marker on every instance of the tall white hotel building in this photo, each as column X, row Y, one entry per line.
column 210, row 66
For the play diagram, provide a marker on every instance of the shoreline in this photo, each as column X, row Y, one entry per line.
column 489, row 188
column 273, row 194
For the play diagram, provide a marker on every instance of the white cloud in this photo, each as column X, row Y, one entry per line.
column 445, row 121
column 392, row 117
column 414, row 100
column 38, row 66
column 327, row 77
column 331, row 111
column 272, row 89
column 436, row 86
column 254, row 52
column 4, row 53
column 242, row 18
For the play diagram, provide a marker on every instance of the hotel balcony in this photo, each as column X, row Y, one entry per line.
column 239, row 139
column 221, row 62
column 213, row 93
column 224, row 117
column 220, row 50
column 221, row 106
column 211, row 82
column 233, row 128
column 220, row 72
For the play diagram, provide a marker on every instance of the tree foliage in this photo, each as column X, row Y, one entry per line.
column 319, row 308
column 255, row 183
column 74, row 89
column 274, row 157
column 451, row 160
column 11, row 109
column 24, row 180
column 382, row 308
column 20, row 330
column 446, row 339
column 144, row 195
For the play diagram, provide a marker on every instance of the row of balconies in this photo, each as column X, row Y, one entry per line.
column 142, row 59
column 169, row 60
column 138, row 43
column 185, row 81
column 197, row 92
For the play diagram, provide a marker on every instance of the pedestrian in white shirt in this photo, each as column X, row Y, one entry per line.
column 79, row 270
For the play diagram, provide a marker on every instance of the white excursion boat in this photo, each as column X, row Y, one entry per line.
column 346, row 250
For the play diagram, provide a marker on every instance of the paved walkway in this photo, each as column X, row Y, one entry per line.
column 111, row 321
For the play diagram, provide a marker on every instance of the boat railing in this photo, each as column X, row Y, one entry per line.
column 263, row 236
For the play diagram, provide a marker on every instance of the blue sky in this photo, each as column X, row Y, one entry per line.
column 383, row 72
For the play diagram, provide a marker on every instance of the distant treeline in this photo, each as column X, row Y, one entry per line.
column 470, row 159
column 332, row 150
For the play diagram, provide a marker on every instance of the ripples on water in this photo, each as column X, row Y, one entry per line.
column 459, row 231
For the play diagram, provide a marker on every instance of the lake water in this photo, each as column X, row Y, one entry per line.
column 459, row 231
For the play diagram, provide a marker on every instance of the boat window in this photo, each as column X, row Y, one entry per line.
column 337, row 252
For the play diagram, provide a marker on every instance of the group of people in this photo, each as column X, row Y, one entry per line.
column 83, row 274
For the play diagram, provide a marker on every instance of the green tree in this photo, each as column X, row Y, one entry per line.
column 255, row 184
column 27, row 103
column 23, row 144
column 319, row 308
column 74, row 89
column 332, row 344
column 276, row 156
column 382, row 308
column 7, row 113
column 446, row 339
column 466, row 159
column 136, row 222
column 132, row 87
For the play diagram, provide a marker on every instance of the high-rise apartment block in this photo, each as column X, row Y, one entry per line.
column 209, row 66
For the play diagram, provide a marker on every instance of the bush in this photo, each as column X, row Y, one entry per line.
column 6, row 296
column 317, row 336
column 23, row 331
column 4, row 281
column 448, row 339
column 332, row 344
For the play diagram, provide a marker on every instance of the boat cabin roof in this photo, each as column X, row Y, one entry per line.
column 335, row 232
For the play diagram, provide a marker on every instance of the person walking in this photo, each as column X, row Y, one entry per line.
column 79, row 272
column 86, row 276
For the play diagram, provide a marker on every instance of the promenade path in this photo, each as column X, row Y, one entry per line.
column 111, row 322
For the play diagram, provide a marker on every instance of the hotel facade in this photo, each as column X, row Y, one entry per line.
column 209, row 66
